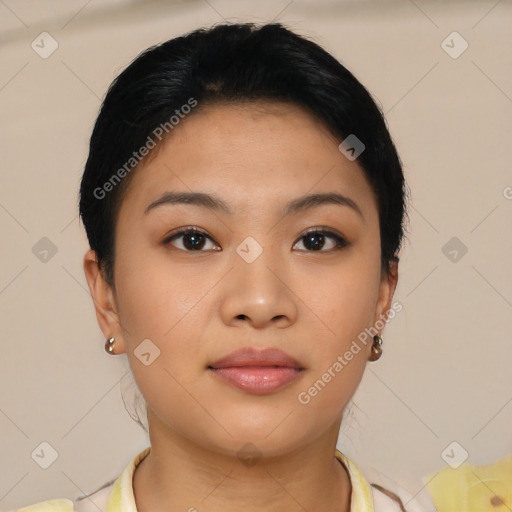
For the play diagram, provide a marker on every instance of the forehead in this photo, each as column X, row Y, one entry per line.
column 249, row 154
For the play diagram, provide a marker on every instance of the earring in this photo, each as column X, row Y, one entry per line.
column 109, row 346
column 376, row 348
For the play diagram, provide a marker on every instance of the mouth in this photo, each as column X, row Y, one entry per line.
column 257, row 371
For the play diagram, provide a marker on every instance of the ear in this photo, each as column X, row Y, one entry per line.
column 386, row 291
column 104, row 301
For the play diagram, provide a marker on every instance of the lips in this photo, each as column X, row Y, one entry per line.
column 258, row 372
column 269, row 357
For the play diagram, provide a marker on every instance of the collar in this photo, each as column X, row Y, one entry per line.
column 121, row 496
column 361, row 499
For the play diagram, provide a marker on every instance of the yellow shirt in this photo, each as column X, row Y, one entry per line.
column 473, row 488
column 119, row 496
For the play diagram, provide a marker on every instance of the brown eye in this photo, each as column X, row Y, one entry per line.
column 315, row 240
column 193, row 239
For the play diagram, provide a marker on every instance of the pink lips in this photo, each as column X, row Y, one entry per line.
column 257, row 371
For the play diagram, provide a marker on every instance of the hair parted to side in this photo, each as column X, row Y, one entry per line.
column 233, row 63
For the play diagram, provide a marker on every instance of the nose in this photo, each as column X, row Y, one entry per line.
column 259, row 293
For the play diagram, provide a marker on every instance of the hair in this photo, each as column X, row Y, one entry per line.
column 231, row 63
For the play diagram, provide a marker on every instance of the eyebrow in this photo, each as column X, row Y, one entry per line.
column 214, row 203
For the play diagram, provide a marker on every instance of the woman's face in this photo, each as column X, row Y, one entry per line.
column 251, row 279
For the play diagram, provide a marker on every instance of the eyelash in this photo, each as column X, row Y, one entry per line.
column 340, row 241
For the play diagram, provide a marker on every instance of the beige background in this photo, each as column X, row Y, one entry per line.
column 445, row 373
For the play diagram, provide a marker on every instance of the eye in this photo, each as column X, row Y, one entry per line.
column 193, row 239
column 316, row 237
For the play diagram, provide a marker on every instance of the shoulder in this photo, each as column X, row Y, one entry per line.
column 56, row 505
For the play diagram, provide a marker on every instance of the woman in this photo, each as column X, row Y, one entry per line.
column 245, row 207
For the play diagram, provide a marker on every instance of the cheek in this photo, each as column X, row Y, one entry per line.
column 348, row 295
column 340, row 354
column 158, row 306
column 351, row 306
column 345, row 304
column 153, row 296
column 166, row 306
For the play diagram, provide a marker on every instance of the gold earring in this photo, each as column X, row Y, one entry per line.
column 109, row 346
column 376, row 348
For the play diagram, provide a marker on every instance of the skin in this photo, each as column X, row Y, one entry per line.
column 310, row 303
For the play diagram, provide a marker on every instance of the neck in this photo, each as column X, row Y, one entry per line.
column 180, row 475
